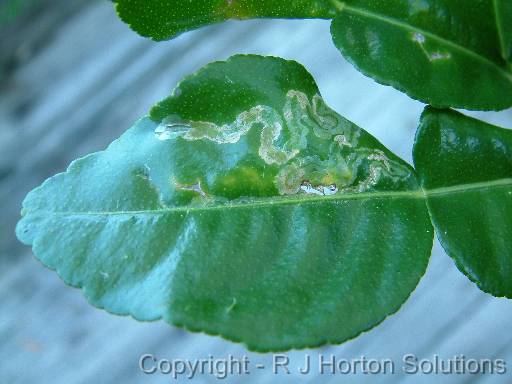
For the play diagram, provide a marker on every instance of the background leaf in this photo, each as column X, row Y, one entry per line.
column 466, row 167
column 444, row 53
column 164, row 19
column 245, row 207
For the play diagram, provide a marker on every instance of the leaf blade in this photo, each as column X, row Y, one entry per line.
column 205, row 235
column 413, row 49
column 473, row 224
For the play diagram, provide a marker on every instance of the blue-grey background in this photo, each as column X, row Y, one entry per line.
column 72, row 79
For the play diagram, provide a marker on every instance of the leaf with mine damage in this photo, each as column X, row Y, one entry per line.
column 242, row 206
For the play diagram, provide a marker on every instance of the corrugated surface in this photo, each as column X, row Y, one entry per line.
column 75, row 79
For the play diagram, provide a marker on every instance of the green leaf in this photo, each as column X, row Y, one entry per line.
column 466, row 167
column 243, row 207
column 503, row 13
column 442, row 52
column 164, row 19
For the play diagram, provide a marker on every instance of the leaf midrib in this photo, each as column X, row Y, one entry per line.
column 342, row 7
column 413, row 194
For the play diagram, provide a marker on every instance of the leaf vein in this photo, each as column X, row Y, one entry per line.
column 413, row 194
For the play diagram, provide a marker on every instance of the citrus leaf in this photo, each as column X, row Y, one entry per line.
column 466, row 167
column 243, row 207
column 444, row 53
column 503, row 13
column 165, row 19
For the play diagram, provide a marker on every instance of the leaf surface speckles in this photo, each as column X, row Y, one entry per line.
column 164, row 19
column 242, row 206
